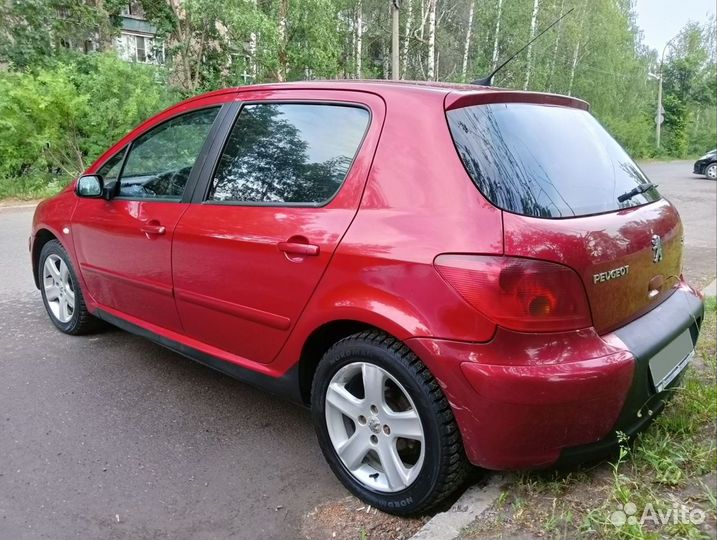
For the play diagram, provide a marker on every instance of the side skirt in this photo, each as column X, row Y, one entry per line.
column 286, row 387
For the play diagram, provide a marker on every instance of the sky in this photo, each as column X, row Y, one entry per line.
column 660, row 20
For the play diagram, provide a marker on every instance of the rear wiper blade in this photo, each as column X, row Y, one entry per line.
column 642, row 188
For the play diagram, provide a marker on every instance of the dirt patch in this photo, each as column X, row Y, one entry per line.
column 351, row 518
column 543, row 505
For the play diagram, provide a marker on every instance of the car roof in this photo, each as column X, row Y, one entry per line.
column 371, row 85
column 457, row 94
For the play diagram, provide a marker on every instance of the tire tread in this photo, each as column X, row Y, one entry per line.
column 85, row 323
column 454, row 468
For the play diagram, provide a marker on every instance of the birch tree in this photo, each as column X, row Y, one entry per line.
column 283, row 59
column 496, row 36
column 467, row 47
column 576, row 53
column 359, row 37
column 529, row 55
column 431, row 67
column 553, row 58
column 407, row 37
column 252, row 47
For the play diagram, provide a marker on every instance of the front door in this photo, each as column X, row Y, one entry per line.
column 249, row 254
column 124, row 245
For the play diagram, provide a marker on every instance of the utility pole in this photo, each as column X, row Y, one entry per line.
column 395, row 69
column 660, row 115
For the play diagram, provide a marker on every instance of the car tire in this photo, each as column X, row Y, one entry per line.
column 711, row 171
column 391, row 369
column 61, row 292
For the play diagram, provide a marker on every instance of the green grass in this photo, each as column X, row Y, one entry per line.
column 670, row 459
column 28, row 188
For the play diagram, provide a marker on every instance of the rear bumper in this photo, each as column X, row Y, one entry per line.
column 534, row 400
column 646, row 337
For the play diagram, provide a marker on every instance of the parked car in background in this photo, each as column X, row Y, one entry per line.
column 446, row 275
column 707, row 165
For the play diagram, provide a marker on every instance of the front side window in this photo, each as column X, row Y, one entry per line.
column 112, row 167
column 288, row 153
column 160, row 161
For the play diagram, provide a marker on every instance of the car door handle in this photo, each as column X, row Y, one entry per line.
column 297, row 248
column 153, row 228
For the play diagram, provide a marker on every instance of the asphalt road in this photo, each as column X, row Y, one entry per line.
column 110, row 436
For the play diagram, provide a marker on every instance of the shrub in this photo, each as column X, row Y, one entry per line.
column 634, row 134
column 56, row 121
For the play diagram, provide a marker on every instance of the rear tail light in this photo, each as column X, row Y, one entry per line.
column 520, row 294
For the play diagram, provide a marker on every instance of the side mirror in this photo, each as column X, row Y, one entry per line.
column 90, row 186
column 110, row 190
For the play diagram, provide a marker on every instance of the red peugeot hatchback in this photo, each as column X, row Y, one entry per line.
column 445, row 274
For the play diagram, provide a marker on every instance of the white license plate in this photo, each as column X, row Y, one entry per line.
column 670, row 361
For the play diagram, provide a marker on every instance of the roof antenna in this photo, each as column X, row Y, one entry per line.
column 488, row 81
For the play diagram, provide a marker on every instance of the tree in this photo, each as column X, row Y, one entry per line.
column 689, row 96
column 359, row 37
column 431, row 70
column 496, row 36
column 35, row 32
column 533, row 26
column 466, row 48
column 596, row 53
column 407, row 37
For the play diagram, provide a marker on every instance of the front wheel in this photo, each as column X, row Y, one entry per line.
column 384, row 425
column 711, row 171
column 61, row 292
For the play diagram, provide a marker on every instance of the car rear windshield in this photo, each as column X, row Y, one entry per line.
column 545, row 161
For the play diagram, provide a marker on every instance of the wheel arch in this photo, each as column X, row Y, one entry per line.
column 334, row 316
column 320, row 341
column 42, row 237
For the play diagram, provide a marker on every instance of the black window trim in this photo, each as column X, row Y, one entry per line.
column 124, row 151
column 201, row 194
column 194, row 174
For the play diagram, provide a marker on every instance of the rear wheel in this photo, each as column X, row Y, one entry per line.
column 384, row 425
column 61, row 292
column 711, row 171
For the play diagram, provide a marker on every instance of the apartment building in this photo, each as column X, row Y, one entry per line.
column 137, row 41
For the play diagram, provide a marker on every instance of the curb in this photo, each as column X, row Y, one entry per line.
column 476, row 499
column 711, row 289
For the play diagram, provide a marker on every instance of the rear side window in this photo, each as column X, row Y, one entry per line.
column 288, row 153
column 544, row 161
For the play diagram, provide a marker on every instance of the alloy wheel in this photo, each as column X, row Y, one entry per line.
column 59, row 289
column 374, row 427
column 712, row 172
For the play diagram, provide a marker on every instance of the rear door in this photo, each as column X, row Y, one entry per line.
column 278, row 197
column 124, row 245
column 563, row 184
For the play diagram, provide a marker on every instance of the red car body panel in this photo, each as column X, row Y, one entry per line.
column 124, row 267
column 239, row 245
column 219, row 283
column 599, row 243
